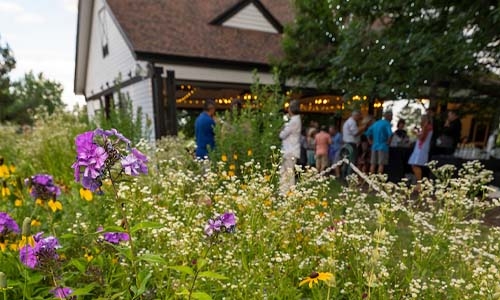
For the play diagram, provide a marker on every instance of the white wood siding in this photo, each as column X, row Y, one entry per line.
column 92, row 107
column 102, row 70
column 141, row 94
column 216, row 75
column 250, row 17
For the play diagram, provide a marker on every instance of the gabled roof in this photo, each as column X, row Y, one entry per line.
column 186, row 31
column 190, row 30
column 241, row 6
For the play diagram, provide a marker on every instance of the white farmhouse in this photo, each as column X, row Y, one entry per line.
column 174, row 54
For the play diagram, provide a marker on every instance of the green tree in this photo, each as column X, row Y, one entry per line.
column 7, row 63
column 32, row 92
column 395, row 49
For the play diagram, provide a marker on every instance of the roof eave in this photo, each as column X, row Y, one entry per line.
column 83, row 30
column 202, row 61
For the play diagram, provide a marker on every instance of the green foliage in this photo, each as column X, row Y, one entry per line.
column 250, row 133
column 123, row 118
column 46, row 147
column 7, row 63
column 30, row 93
column 394, row 49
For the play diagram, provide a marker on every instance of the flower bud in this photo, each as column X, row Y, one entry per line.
column 26, row 227
column 3, row 281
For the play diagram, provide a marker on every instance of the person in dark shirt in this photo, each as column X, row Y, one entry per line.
column 204, row 130
column 450, row 134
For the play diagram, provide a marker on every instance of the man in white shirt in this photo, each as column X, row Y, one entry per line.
column 290, row 136
column 351, row 133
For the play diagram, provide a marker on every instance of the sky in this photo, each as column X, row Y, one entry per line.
column 42, row 36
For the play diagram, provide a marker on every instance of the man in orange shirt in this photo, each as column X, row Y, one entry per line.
column 323, row 140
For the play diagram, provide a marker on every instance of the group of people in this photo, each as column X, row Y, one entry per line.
column 365, row 140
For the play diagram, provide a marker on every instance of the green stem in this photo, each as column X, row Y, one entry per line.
column 328, row 294
column 198, row 269
column 126, row 225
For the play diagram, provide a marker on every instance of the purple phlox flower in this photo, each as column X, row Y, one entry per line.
column 214, row 225
column 116, row 237
column 91, row 157
column 27, row 256
column 43, row 187
column 112, row 132
column 62, row 292
column 228, row 219
column 135, row 163
column 226, row 222
column 100, row 229
column 7, row 224
column 44, row 252
column 49, row 243
column 92, row 184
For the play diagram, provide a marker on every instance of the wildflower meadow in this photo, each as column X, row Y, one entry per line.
column 85, row 213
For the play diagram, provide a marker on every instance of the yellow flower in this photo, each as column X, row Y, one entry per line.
column 89, row 257
column 315, row 276
column 55, row 205
column 232, row 167
column 39, row 201
column 24, row 241
column 4, row 171
column 230, row 173
column 249, row 152
column 86, row 194
column 223, row 157
column 18, row 203
column 12, row 168
column 13, row 247
column 35, row 223
column 5, row 191
column 3, row 245
column 235, row 156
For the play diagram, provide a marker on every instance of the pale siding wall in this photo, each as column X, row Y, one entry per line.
column 141, row 94
column 92, row 107
column 215, row 74
column 250, row 18
column 102, row 70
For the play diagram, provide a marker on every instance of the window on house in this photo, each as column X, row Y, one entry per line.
column 103, row 26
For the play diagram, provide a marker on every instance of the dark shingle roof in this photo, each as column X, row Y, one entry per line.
column 181, row 28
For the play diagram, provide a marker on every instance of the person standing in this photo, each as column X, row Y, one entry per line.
column 450, row 134
column 334, row 149
column 290, row 137
column 400, row 137
column 204, row 130
column 420, row 154
column 379, row 135
column 322, row 140
column 351, row 132
column 311, row 146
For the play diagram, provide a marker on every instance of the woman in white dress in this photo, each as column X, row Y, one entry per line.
column 420, row 154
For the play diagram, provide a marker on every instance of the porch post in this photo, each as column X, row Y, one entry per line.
column 158, row 103
column 171, row 104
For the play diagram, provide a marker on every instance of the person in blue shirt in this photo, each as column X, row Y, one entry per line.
column 204, row 130
column 379, row 134
column 334, row 149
